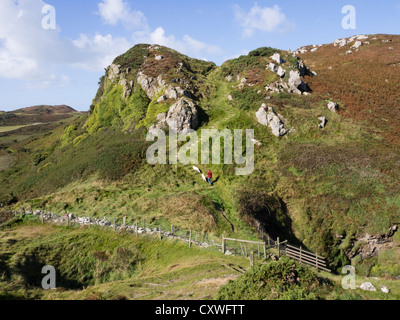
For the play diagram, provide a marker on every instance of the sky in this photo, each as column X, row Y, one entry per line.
column 55, row 52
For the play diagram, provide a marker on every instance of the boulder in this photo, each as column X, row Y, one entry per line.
column 296, row 84
column 159, row 57
column 277, row 58
column 261, row 115
column 384, row 289
column 323, row 122
column 367, row 286
column 230, row 98
column 281, row 72
column 182, row 116
column 268, row 117
column 333, row 106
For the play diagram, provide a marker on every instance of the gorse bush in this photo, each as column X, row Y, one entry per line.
column 276, row 280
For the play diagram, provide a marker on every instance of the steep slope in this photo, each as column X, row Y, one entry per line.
column 363, row 75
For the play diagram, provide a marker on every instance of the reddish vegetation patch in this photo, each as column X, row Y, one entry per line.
column 366, row 82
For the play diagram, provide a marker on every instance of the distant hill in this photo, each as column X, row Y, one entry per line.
column 36, row 114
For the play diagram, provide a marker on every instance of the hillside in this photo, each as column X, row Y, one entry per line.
column 331, row 188
column 35, row 114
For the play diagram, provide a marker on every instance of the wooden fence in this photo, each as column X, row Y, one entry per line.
column 306, row 257
column 282, row 248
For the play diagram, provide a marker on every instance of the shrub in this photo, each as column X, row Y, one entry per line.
column 281, row 280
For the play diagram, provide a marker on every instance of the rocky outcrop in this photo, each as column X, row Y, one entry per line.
column 150, row 85
column 370, row 245
column 114, row 72
column 304, row 71
column 277, row 58
column 267, row 117
column 296, row 84
column 182, row 116
column 281, row 72
column 127, row 87
column 367, row 286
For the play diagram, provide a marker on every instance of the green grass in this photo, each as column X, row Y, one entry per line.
column 98, row 263
column 12, row 128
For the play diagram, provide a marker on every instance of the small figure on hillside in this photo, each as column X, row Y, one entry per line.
column 209, row 177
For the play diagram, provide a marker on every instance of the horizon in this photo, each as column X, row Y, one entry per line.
column 54, row 53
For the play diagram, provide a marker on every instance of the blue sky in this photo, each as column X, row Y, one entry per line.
column 63, row 66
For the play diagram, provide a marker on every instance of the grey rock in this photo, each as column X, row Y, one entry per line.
column 367, row 286
column 281, row 72
column 384, row 289
column 296, row 84
column 277, row 58
column 333, row 106
column 272, row 67
column 323, row 122
column 182, row 116
column 268, row 117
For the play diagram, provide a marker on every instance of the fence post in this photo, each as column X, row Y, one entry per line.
column 245, row 249
column 279, row 249
column 252, row 259
column 300, row 255
column 137, row 229
column 190, row 238
column 41, row 217
column 316, row 261
column 124, row 223
column 172, row 230
column 265, row 251
column 223, row 244
column 269, row 243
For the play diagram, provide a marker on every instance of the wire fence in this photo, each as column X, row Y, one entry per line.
column 263, row 250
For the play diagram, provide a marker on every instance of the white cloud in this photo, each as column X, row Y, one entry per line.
column 115, row 11
column 100, row 51
column 40, row 57
column 187, row 45
column 31, row 53
column 261, row 19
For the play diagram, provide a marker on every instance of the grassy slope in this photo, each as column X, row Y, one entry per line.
column 96, row 264
column 336, row 181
